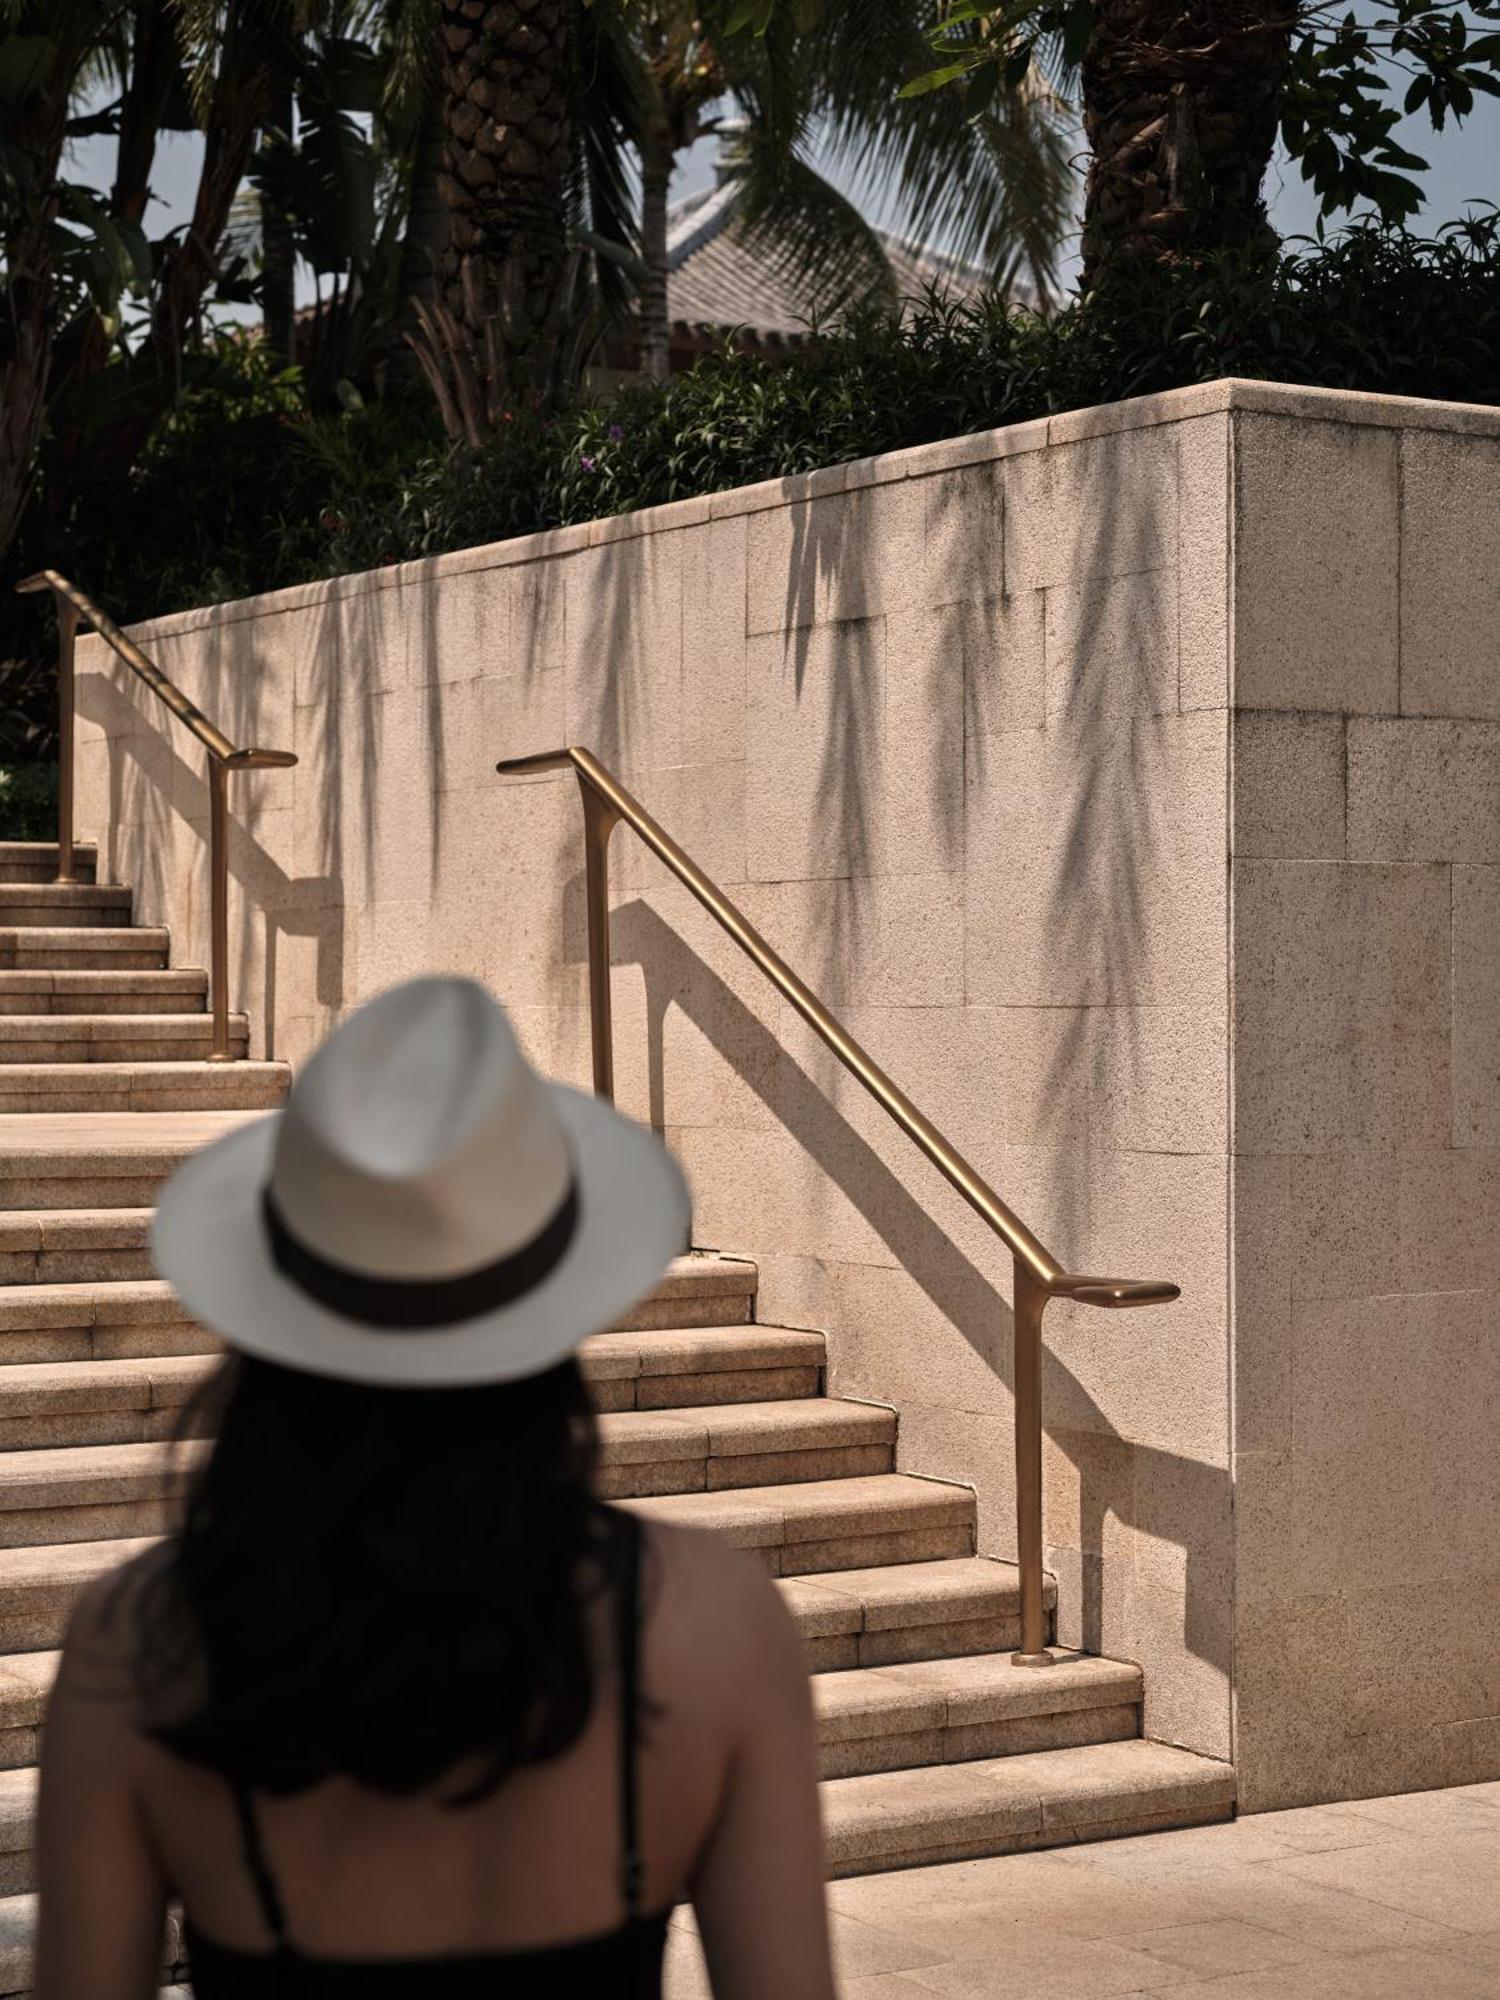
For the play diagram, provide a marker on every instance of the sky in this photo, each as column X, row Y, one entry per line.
column 1464, row 167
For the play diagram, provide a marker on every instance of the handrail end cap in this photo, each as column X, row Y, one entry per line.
column 1122, row 1292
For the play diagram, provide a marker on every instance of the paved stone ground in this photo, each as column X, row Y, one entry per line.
column 1385, row 1899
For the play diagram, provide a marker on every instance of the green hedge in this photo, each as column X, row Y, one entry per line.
column 245, row 492
column 28, row 801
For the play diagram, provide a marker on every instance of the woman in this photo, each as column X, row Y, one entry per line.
column 403, row 1708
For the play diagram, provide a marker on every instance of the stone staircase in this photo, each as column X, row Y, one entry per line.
column 934, row 1747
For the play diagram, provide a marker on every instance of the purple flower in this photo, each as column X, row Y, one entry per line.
column 587, row 463
column 616, row 432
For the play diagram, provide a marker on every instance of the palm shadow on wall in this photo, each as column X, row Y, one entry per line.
column 674, row 975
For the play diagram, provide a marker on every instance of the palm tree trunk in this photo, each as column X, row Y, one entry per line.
column 656, row 177
column 278, row 244
column 507, row 120
column 1180, row 105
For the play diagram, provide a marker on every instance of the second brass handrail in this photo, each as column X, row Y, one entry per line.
column 74, row 605
column 1038, row 1275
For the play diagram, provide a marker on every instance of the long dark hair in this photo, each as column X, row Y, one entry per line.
column 381, row 1583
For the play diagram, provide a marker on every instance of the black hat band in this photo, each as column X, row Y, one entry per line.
column 405, row 1305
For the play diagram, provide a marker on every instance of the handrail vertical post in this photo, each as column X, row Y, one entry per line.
column 599, row 818
column 67, row 632
column 218, row 907
column 1029, row 1300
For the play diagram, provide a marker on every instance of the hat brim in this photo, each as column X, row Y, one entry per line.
column 209, row 1241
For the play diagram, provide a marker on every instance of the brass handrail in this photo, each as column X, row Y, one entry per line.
column 223, row 757
column 1038, row 1275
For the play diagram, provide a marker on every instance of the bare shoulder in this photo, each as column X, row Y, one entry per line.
column 718, row 1610
column 101, row 1650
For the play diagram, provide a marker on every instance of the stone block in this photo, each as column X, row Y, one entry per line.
column 814, row 738
column 1288, row 786
column 1315, row 566
column 1450, row 575
column 1424, row 791
column 1261, row 1273
column 1203, row 545
column 919, row 807
column 848, row 555
column 1342, row 1007
column 1371, row 1222
column 1150, row 1079
column 714, row 568
column 1105, row 506
column 1476, row 1017
column 623, row 624
column 1096, row 865
column 1111, row 648
column 964, row 528
column 1004, row 662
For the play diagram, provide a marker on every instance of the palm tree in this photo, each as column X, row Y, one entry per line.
column 994, row 187
column 507, row 113
column 1181, row 106
column 1185, row 100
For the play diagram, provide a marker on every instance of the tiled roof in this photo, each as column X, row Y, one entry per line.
column 718, row 277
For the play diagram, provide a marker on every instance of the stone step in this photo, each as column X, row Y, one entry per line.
column 952, row 1711
column 93, row 1493
column 884, row 1719
column 113, row 1037
column 38, row 1587
column 877, row 1617
column 70, row 905
column 127, row 1319
column 142, row 1086
column 74, row 1246
column 136, row 1400
column 892, row 1614
column 71, row 1319
column 183, row 990
column 1003, row 1805
column 90, row 1492
column 908, row 1818
column 832, row 1524
column 99, row 1159
column 953, row 1811
column 133, row 948
column 36, row 860
column 1050, row 1798
column 737, row 1445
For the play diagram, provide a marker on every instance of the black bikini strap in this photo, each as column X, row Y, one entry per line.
column 629, row 1657
column 260, row 1869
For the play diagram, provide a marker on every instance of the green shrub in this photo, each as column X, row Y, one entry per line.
column 244, row 491
column 28, row 801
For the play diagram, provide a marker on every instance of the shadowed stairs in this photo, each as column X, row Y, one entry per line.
column 934, row 1747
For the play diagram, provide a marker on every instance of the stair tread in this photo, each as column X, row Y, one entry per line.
column 100, row 1139
column 753, row 1516
column 90, row 1301
column 876, row 1600
column 74, row 1229
column 762, row 1516
column 108, row 937
column 109, row 1027
column 24, row 1076
column 134, row 1383
column 1062, row 1793
column 38, row 850
column 973, row 1688
column 82, row 979
column 627, row 1436
column 86, row 895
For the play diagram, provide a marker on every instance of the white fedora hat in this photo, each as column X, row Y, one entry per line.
column 426, row 1210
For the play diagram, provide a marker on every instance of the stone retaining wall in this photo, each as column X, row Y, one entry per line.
column 1129, row 782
